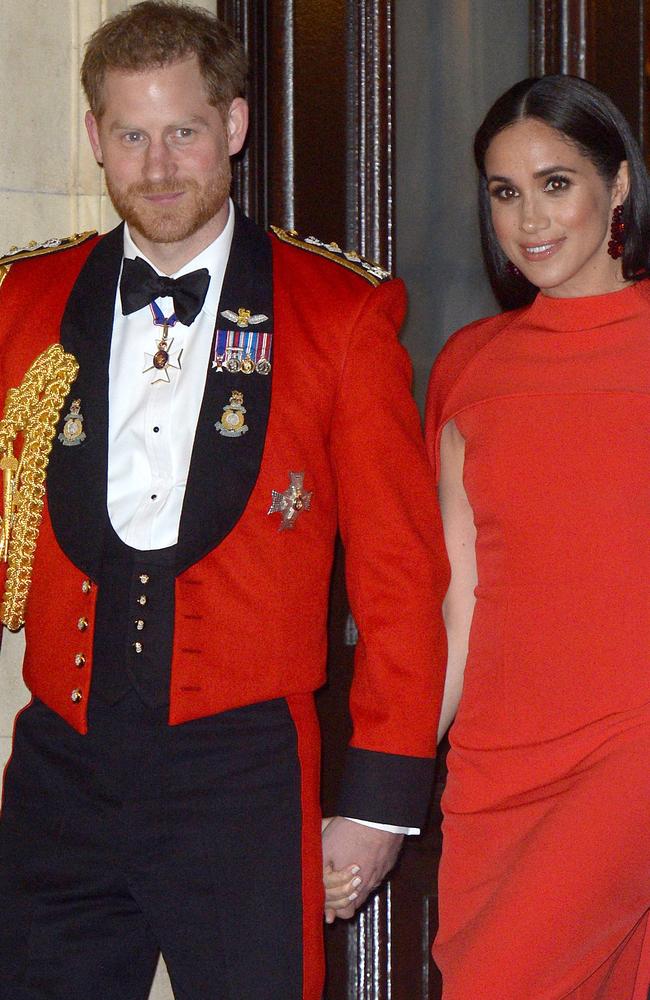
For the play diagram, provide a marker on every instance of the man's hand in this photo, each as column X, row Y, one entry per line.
column 346, row 844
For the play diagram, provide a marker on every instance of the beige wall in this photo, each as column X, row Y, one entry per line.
column 49, row 182
column 50, row 186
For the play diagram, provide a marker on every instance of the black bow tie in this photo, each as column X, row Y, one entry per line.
column 140, row 285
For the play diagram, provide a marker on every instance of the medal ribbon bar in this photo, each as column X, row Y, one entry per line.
column 247, row 351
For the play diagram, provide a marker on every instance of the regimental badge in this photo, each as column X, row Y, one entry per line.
column 73, row 429
column 232, row 422
column 292, row 502
column 243, row 317
column 243, row 350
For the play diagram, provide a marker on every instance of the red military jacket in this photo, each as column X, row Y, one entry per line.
column 251, row 600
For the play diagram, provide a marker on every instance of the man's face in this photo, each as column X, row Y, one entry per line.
column 165, row 152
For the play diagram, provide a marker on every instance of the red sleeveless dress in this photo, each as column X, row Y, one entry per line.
column 545, row 873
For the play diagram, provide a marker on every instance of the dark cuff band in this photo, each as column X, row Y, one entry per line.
column 386, row 788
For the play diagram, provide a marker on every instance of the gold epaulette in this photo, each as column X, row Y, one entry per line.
column 35, row 249
column 351, row 259
column 31, row 411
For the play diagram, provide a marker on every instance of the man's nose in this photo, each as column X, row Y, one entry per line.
column 159, row 160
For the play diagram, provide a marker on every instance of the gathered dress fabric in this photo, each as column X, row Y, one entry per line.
column 544, row 880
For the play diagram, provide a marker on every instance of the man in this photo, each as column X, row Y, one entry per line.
column 163, row 789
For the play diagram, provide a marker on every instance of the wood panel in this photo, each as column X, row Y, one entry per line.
column 558, row 36
column 249, row 18
column 604, row 41
column 371, row 127
column 320, row 154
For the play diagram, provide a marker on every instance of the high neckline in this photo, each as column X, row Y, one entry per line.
column 589, row 311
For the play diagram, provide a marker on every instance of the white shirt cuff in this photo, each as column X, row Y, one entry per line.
column 408, row 831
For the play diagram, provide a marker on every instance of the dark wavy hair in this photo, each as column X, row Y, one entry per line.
column 592, row 122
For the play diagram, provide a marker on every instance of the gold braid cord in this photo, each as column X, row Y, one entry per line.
column 33, row 410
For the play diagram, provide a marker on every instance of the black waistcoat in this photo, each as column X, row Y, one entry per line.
column 134, row 626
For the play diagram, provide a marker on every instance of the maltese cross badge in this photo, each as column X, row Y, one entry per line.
column 292, row 502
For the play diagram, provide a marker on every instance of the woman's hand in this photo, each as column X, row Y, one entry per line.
column 341, row 889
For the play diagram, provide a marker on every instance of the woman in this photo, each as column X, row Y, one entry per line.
column 539, row 427
column 538, row 423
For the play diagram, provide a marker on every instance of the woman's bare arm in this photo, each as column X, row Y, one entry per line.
column 460, row 538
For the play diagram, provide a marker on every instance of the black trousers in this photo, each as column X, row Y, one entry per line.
column 142, row 837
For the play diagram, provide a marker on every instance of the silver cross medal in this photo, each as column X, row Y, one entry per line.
column 292, row 502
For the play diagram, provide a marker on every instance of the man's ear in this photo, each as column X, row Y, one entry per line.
column 92, row 129
column 236, row 125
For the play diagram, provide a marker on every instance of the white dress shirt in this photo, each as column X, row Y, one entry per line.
column 151, row 427
column 152, row 422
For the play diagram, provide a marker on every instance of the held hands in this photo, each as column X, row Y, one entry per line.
column 356, row 859
column 341, row 891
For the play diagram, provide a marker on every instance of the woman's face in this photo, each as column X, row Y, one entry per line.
column 552, row 210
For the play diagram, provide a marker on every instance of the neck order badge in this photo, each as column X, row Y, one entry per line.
column 163, row 359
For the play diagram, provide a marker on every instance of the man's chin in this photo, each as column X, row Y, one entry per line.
column 165, row 228
column 163, row 234
column 165, row 225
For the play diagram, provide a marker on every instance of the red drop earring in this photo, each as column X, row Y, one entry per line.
column 616, row 244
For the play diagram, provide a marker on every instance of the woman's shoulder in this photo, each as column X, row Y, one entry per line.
column 464, row 343
column 461, row 347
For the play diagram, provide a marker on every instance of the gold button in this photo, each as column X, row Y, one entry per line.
column 86, row 586
column 139, row 624
column 79, row 660
column 77, row 696
column 144, row 578
column 82, row 624
column 137, row 647
column 142, row 599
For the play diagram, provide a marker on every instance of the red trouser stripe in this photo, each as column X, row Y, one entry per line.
column 305, row 720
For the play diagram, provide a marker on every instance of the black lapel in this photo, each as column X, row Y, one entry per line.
column 223, row 470
column 76, row 477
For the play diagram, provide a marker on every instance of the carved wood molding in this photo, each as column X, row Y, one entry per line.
column 601, row 40
column 559, row 37
column 249, row 18
column 370, row 214
column 369, row 950
column 320, row 153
